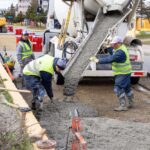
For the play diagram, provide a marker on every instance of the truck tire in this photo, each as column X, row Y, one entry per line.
column 135, row 80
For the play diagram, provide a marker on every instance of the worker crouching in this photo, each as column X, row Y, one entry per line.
column 121, row 67
column 38, row 77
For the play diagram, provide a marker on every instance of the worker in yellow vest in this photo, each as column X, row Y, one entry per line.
column 24, row 51
column 38, row 77
column 121, row 67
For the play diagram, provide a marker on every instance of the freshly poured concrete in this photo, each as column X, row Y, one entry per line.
column 88, row 48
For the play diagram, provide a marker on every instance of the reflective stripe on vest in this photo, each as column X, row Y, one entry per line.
column 44, row 63
column 122, row 68
column 26, row 50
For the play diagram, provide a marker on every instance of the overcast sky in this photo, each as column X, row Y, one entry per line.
column 7, row 3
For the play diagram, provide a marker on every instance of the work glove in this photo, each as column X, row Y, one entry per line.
column 94, row 59
column 21, row 65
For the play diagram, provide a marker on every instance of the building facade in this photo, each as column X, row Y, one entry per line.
column 24, row 4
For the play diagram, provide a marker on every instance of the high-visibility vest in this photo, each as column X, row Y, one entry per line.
column 44, row 63
column 122, row 68
column 26, row 50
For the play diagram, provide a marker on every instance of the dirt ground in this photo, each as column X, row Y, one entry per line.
column 9, row 41
column 103, row 128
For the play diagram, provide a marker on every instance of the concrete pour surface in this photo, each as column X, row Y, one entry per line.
column 103, row 128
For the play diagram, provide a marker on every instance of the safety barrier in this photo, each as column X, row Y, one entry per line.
column 35, row 39
column 10, row 28
column 18, row 31
column 37, row 43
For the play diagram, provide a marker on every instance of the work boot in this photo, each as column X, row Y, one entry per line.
column 130, row 101
column 39, row 104
column 121, row 108
column 33, row 106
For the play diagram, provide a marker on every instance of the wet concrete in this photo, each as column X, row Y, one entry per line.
column 87, row 49
column 57, row 119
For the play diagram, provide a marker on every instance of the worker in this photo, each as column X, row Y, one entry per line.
column 38, row 77
column 121, row 66
column 24, row 51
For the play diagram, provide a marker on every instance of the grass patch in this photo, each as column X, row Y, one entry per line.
column 12, row 142
column 8, row 97
column 143, row 35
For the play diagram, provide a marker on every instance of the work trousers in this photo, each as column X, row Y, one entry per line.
column 122, row 88
column 34, row 84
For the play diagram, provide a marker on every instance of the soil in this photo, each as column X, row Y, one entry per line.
column 10, row 125
column 103, row 128
column 9, row 41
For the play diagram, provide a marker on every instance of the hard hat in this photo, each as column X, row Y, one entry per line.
column 117, row 39
column 25, row 32
column 61, row 63
column 10, row 64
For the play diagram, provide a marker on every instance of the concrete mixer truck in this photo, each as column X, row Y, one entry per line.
column 87, row 27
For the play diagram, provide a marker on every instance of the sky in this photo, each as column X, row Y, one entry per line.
column 4, row 4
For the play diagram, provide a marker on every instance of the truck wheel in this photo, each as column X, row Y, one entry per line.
column 59, row 79
column 135, row 80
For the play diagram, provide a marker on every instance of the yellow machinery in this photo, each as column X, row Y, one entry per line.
column 3, row 28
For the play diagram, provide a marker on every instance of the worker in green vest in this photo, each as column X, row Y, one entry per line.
column 24, row 51
column 121, row 67
column 38, row 77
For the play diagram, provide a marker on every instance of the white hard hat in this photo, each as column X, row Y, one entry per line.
column 61, row 63
column 117, row 39
column 25, row 32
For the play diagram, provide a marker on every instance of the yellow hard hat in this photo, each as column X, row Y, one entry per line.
column 10, row 64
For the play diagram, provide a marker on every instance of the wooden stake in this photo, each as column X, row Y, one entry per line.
column 21, row 91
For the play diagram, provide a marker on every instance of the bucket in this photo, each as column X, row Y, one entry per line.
column 37, row 47
column 37, row 39
column 10, row 28
column 18, row 38
column 18, row 31
column 31, row 36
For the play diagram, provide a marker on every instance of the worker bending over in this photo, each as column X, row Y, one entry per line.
column 24, row 51
column 121, row 66
column 38, row 77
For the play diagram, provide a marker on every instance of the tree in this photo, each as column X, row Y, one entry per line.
column 10, row 14
column 20, row 17
column 144, row 9
column 31, row 12
column 36, row 13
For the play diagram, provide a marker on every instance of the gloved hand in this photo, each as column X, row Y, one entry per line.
column 94, row 59
column 21, row 65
